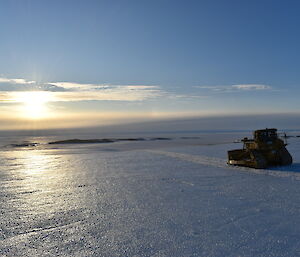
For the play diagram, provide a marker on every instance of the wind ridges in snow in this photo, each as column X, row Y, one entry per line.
column 222, row 163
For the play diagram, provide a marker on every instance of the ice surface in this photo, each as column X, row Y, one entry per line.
column 146, row 199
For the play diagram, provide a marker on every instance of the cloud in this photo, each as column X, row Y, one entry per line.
column 72, row 86
column 16, row 81
column 106, row 92
column 186, row 96
column 68, row 91
column 251, row 87
column 112, row 93
column 73, row 91
column 236, row 88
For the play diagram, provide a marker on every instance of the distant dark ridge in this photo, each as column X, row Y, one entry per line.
column 90, row 141
column 82, row 141
column 190, row 137
column 24, row 144
column 130, row 139
column 104, row 140
column 160, row 138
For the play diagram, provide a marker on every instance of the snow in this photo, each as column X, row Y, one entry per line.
column 139, row 199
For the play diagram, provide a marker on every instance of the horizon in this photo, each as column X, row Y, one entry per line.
column 188, row 125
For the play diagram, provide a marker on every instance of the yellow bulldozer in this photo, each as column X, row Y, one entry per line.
column 264, row 150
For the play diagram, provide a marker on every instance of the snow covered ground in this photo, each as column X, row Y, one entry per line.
column 138, row 199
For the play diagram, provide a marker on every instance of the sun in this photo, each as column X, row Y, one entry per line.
column 34, row 103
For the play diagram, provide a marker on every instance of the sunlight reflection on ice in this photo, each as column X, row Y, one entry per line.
column 41, row 181
column 34, row 162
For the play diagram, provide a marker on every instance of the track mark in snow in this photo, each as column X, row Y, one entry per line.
column 184, row 182
column 221, row 163
column 35, row 231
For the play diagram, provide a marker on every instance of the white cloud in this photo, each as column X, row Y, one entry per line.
column 73, row 91
column 236, row 88
column 105, row 92
column 69, row 91
column 76, row 86
column 118, row 93
column 16, row 81
column 71, row 86
column 251, row 87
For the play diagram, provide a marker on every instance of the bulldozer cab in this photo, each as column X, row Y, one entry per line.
column 265, row 135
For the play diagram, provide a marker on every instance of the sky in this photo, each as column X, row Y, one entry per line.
column 92, row 63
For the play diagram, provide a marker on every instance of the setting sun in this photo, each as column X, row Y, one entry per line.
column 34, row 103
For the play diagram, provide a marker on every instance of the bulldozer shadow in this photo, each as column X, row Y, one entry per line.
column 295, row 167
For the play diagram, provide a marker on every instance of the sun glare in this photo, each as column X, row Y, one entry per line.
column 34, row 103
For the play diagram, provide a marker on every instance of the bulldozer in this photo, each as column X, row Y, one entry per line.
column 264, row 150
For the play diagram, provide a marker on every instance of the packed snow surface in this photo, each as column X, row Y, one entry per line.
column 146, row 199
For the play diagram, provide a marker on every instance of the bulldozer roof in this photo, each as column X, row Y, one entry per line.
column 272, row 132
column 265, row 130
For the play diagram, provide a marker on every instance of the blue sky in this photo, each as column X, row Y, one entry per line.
column 155, row 58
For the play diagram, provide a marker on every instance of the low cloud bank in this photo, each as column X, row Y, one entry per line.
column 156, row 124
column 285, row 121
